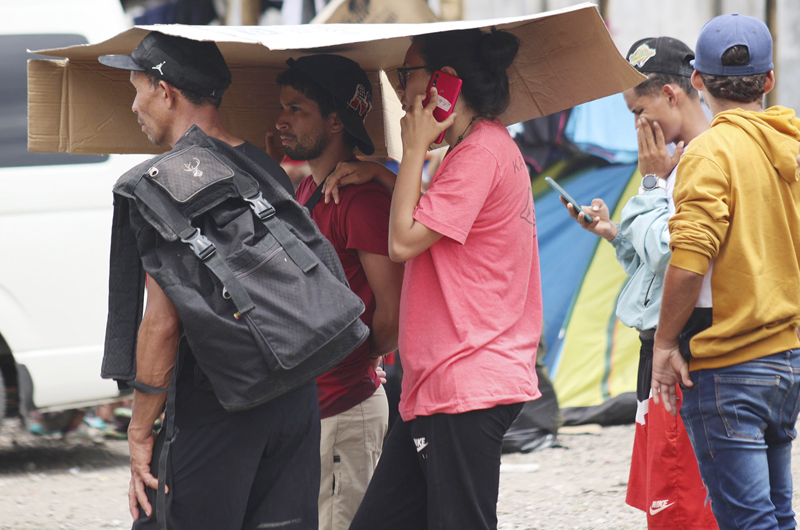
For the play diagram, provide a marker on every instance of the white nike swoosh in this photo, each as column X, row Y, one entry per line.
column 661, row 509
column 422, row 446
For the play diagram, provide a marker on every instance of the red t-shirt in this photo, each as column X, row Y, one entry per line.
column 359, row 222
column 471, row 305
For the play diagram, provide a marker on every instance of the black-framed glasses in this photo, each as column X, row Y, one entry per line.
column 404, row 71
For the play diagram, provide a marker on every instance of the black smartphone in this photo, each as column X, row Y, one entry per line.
column 569, row 198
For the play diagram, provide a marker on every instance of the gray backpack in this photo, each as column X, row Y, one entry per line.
column 262, row 296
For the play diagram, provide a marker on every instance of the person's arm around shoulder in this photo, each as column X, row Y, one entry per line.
column 364, row 219
column 385, row 278
column 357, row 172
column 156, row 352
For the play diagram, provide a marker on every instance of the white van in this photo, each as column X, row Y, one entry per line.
column 55, row 226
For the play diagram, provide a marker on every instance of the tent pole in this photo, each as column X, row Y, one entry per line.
column 242, row 12
column 771, row 17
column 250, row 12
column 602, row 6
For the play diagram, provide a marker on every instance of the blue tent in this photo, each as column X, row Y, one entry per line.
column 592, row 358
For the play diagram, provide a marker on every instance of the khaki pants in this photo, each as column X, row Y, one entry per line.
column 350, row 446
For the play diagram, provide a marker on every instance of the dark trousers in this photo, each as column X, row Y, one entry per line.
column 257, row 468
column 438, row 472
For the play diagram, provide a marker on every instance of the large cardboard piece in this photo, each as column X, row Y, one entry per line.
column 375, row 12
column 78, row 105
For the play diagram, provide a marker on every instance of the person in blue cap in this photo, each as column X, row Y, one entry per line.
column 737, row 200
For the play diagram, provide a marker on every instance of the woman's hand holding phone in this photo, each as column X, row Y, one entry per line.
column 419, row 128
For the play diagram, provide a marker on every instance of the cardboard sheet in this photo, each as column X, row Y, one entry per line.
column 566, row 58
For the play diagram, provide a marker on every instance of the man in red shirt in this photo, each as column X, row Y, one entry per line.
column 325, row 100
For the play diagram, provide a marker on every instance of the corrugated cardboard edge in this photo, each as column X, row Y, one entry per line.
column 558, row 67
column 47, row 129
column 392, row 113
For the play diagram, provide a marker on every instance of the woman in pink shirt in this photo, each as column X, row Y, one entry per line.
column 471, row 305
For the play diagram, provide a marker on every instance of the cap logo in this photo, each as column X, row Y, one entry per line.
column 361, row 101
column 193, row 168
column 642, row 54
column 158, row 67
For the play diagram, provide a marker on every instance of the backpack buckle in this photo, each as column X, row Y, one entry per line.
column 261, row 207
column 202, row 247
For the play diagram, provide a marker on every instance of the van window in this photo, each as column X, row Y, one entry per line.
column 14, row 101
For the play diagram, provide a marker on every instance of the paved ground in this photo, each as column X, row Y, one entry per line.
column 81, row 483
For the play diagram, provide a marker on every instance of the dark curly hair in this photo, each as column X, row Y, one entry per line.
column 739, row 88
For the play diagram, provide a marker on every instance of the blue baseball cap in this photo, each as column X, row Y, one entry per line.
column 725, row 31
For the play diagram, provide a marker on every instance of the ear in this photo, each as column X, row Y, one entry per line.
column 669, row 92
column 769, row 82
column 697, row 82
column 169, row 93
column 449, row 70
column 335, row 124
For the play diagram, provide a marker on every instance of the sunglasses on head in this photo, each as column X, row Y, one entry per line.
column 403, row 72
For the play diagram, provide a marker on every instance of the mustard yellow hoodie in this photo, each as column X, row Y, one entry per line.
column 737, row 198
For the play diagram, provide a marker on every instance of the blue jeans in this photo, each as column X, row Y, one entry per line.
column 741, row 421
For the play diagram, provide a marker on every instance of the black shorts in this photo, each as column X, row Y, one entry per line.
column 257, row 468
column 438, row 472
column 645, row 365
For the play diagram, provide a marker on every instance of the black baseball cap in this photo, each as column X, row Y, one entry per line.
column 661, row 55
column 191, row 65
column 349, row 87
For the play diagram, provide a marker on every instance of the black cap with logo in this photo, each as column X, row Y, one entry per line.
column 191, row 65
column 349, row 87
column 661, row 55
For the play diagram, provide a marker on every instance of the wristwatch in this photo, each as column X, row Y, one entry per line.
column 652, row 182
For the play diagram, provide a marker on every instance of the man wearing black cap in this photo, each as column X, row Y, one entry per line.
column 737, row 199
column 325, row 101
column 256, row 468
column 664, row 480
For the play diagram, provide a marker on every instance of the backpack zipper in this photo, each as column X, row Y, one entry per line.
column 251, row 270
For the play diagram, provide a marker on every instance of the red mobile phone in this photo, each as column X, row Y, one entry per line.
column 448, row 88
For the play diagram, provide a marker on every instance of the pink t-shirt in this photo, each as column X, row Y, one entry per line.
column 471, row 305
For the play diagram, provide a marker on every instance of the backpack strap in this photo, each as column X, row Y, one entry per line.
column 297, row 251
column 315, row 197
column 202, row 247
